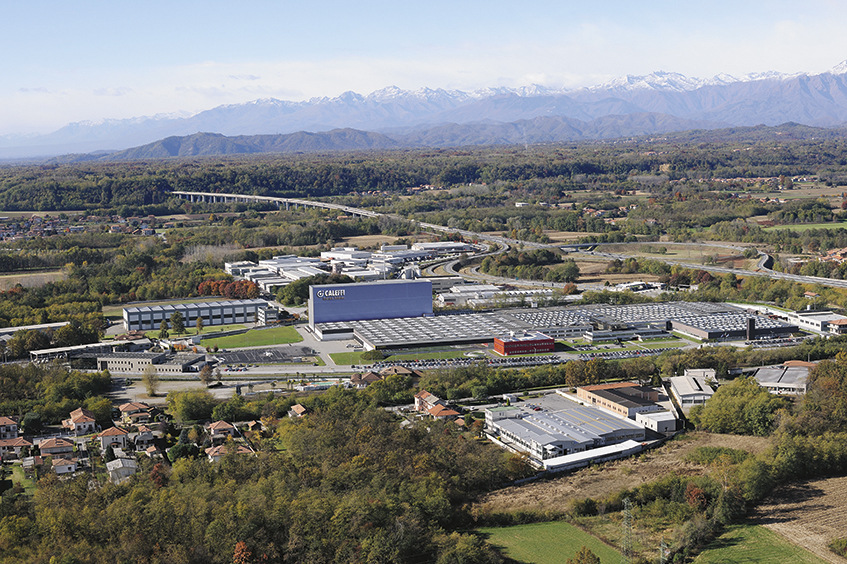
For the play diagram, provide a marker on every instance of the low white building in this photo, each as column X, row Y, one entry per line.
column 121, row 469
column 783, row 380
column 690, row 391
column 659, row 421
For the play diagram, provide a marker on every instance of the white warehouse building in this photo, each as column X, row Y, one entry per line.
column 145, row 318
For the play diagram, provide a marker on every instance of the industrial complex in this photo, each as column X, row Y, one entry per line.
column 361, row 317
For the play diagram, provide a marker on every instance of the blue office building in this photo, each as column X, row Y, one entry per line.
column 386, row 299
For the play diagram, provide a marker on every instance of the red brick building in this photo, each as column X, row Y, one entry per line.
column 531, row 342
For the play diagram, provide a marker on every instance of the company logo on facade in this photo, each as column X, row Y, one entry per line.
column 330, row 294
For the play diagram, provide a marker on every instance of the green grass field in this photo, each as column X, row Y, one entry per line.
column 350, row 358
column 547, row 543
column 265, row 337
column 754, row 543
column 18, row 477
column 190, row 331
column 807, row 226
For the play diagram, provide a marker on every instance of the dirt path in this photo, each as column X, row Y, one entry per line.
column 556, row 494
column 809, row 514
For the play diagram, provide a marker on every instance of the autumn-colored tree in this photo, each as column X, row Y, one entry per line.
column 584, row 556
column 242, row 554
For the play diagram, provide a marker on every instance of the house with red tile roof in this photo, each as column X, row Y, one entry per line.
column 425, row 401
column 221, row 430
column 112, row 437
column 218, row 452
column 360, row 380
column 64, row 465
column 297, row 410
column 135, row 412
column 8, row 428
column 442, row 412
column 433, row 406
column 81, row 422
column 55, row 446
column 11, row 448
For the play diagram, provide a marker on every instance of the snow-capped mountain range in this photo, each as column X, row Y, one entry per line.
column 674, row 101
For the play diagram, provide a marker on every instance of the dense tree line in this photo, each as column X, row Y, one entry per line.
column 350, row 485
column 45, row 395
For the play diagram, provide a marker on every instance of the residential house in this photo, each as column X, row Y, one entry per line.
column 56, row 447
column 433, row 406
column 144, row 437
column 134, row 412
column 442, row 412
column 81, row 422
column 221, row 430
column 297, row 410
column 113, row 436
column 360, row 380
column 397, row 369
column 424, row 401
column 31, row 464
column 153, row 451
column 11, row 448
column 64, row 465
column 121, row 469
column 218, row 452
column 8, row 428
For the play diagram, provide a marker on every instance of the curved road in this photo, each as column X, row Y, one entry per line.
column 505, row 243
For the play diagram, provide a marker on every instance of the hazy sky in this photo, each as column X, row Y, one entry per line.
column 63, row 61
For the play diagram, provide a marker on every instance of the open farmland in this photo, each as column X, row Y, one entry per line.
column 547, row 543
column 557, row 493
column 809, row 514
column 752, row 543
column 569, row 236
column 594, row 272
column 30, row 280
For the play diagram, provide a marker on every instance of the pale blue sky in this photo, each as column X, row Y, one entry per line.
column 63, row 61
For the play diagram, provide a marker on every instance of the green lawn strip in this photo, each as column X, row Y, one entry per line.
column 547, row 543
column 754, row 543
column 19, row 477
column 349, row 358
column 807, row 226
column 256, row 338
column 191, row 332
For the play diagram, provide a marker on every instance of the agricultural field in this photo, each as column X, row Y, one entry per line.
column 754, row 543
column 568, row 236
column 808, row 226
column 596, row 481
column 547, row 543
column 809, row 514
column 363, row 241
column 594, row 272
column 30, row 280
column 256, row 338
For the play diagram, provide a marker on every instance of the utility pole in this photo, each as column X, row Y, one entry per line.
column 626, row 533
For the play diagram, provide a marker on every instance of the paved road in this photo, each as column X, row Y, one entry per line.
column 508, row 242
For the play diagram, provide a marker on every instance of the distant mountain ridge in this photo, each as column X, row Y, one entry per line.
column 536, row 131
column 718, row 102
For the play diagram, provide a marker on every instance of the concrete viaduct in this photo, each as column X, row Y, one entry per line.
column 212, row 197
